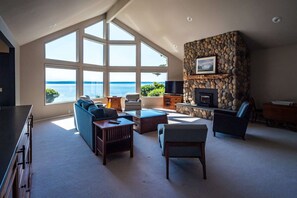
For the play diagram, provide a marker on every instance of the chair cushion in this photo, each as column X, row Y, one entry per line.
column 132, row 103
column 132, row 97
column 97, row 112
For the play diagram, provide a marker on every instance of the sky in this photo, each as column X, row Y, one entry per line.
column 64, row 48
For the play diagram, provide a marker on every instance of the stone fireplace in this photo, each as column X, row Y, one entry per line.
column 231, row 80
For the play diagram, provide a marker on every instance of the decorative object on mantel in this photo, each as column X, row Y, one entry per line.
column 283, row 102
column 206, row 65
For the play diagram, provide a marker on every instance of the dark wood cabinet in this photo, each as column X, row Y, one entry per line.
column 169, row 101
column 282, row 114
column 16, row 175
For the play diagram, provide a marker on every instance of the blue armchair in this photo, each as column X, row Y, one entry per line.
column 183, row 140
column 232, row 123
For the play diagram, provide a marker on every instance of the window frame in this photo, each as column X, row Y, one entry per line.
column 106, row 68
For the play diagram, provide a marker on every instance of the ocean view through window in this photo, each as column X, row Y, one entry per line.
column 67, row 87
column 60, row 85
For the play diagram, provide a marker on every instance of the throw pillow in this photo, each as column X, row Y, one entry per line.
column 87, row 103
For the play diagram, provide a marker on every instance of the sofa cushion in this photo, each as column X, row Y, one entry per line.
column 86, row 103
column 97, row 112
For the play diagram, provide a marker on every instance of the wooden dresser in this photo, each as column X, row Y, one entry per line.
column 280, row 113
column 169, row 101
column 16, row 151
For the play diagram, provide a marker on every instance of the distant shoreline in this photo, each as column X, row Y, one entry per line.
column 94, row 82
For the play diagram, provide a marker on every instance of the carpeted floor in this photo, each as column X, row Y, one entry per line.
column 265, row 165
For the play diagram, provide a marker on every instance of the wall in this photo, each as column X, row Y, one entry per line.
column 7, row 33
column 33, row 73
column 273, row 74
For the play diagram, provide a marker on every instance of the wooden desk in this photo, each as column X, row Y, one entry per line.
column 110, row 137
column 280, row 114
column 114, row 102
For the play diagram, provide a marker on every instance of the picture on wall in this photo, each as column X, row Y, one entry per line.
column 206, row 65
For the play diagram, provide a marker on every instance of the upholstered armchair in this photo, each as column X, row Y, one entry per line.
column 232, row 123
column 132, row 102
column 183, row 140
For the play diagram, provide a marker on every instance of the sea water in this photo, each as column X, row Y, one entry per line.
column 67, row 89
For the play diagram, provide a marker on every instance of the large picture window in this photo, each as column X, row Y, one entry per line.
column 93, row 52
column 122, row 55
column 93, row 84
column 60, row 85
column 121, row 83
column 108, row 51
column 153, row 83
column 151, row 57
column 63, row 48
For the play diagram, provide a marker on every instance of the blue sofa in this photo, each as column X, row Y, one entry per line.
column 85, row 113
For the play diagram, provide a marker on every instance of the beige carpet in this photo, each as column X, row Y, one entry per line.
column 265, row 165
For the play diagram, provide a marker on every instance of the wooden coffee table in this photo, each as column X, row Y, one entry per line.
column 113, row 137
column 147, row 120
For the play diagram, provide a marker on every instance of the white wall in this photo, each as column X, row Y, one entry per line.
column 274, row 74
column 7, row 33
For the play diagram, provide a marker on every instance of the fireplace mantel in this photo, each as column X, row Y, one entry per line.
column 207, row 77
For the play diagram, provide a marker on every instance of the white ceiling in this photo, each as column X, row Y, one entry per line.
column 162, row 21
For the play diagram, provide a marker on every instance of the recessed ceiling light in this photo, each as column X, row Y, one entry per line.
column 189, row 19
column 276, row 19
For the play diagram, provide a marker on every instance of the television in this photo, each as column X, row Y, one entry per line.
column 174, row 87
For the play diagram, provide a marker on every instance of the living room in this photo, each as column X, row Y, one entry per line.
column 271, row 50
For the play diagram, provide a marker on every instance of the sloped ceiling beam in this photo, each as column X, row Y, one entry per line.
column 116, row 9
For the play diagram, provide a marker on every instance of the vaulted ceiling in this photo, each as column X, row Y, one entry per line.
column 162, row 21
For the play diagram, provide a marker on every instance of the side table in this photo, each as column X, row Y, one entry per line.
column 113, row 137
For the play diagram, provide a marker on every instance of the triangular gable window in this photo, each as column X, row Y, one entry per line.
column 151, row 57
column 117, row 33
column 63, row 48
column 95, row 29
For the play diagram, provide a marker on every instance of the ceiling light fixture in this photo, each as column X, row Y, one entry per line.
column 276, row 19
column 189, row 19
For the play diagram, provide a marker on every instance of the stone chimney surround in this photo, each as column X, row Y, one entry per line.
column 231, row 78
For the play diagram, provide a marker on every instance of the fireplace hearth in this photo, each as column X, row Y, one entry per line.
column 206, row 97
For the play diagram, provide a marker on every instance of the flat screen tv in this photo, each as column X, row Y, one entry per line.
column 174, row 87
